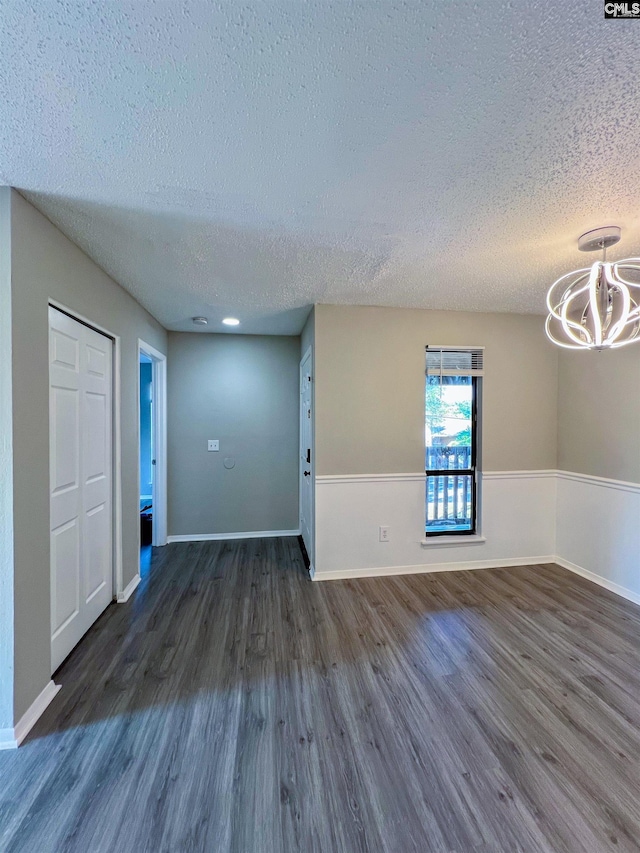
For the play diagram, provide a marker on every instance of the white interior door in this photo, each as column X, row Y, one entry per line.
column 306, row 460
column 81, row 459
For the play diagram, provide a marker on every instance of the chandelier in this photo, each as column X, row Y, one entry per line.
column 597, row 307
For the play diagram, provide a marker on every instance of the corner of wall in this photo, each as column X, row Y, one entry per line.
column 6, row 471
column 307, row 335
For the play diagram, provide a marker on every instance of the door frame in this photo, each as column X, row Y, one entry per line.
column 116, row 441
column 312, row 521
column 159, row 432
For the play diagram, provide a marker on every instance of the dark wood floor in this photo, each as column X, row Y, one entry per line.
column 232, row 705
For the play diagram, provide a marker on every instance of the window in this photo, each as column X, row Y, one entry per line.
column 452, row 395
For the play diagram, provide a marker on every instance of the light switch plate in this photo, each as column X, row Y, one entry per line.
column 213, row 444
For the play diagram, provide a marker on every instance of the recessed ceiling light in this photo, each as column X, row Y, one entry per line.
column 200, row 321
column 231, row 321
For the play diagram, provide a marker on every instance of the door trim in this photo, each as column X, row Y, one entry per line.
column 116, row 440
column 312, row 521
column 159, row 428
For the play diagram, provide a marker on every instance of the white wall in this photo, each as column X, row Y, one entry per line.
column 517, row 525
column 599, row 531
column 590, row 525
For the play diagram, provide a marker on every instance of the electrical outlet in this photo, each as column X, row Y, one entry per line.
column 213, row 444
column 383, row 533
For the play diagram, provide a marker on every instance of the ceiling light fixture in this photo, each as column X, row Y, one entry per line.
column 199, row 321
column 231, row 321
column 597, row 307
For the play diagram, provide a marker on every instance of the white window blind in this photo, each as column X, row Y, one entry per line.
column 455, row 361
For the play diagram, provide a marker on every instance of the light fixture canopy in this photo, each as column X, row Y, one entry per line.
column 231, row 321
column 597, row 307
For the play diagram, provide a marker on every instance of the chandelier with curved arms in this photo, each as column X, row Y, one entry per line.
column 597, row 307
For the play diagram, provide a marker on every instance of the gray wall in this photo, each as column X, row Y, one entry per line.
column 6, row 470
column 242, row 390
column 599, row 413
column 369, row 390
column 46, row 265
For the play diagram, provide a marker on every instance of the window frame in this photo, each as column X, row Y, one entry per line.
column 462, row 472
column 473, row 471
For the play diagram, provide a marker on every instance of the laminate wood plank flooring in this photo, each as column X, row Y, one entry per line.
column 233, row 706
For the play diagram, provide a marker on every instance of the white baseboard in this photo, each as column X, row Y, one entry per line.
column 8, row 739
column 12, row 738
column 217, row 537
column 128, row 591
column 426, row 569
column 390, row 571
column 622, row 591
column 36, row 710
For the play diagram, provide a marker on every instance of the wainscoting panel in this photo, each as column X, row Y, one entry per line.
column 598, row 531
column 517, row 525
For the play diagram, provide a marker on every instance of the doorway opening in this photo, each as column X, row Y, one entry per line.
column 151, row 452
column 147, row 460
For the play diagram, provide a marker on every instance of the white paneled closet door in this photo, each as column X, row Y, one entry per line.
column 81, row 460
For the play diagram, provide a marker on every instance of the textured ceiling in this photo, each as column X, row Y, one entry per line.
column 254, row 158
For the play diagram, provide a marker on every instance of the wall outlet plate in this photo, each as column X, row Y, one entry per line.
column 383, row 533
column 213, row 444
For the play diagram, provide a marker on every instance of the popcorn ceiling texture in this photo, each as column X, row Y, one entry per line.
column 254, row 158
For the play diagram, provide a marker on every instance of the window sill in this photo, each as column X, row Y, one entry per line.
column 437, row 541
